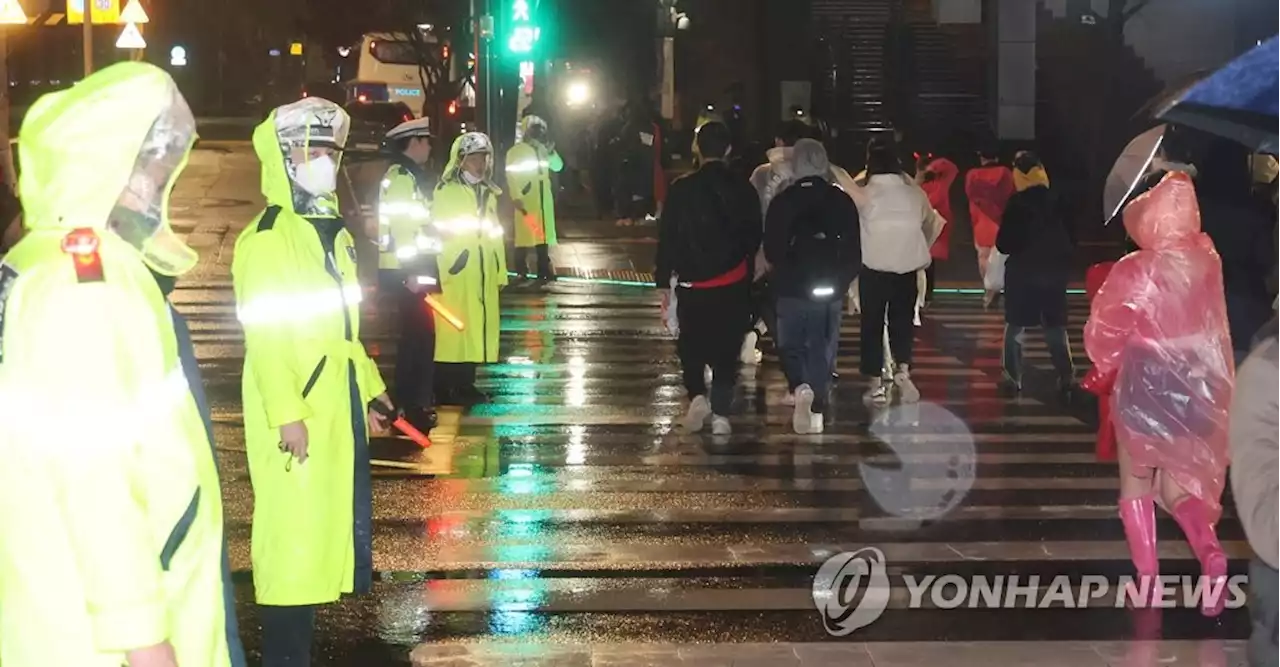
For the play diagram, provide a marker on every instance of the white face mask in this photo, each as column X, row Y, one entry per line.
column 471, row 179
column 318, row 177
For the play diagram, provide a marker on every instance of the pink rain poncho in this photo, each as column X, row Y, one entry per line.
column 1158, row 335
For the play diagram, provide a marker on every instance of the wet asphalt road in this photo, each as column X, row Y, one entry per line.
column 571, row 510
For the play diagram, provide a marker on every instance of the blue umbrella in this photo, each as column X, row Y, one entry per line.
column 1238, row 102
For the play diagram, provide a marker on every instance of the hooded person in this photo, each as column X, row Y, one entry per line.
column 935, row 176
column 769, row 179
column 530, row 164
column 811, row 240
column 1161, row 347
column 988, row 187
column 308, row 384
column 109, row 483
column 473, row 268
column 1039, row 246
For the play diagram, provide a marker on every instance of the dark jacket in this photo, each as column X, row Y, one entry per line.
column 1243, row 235
column 710, row 224
column 811, row 203
column 1036, row 238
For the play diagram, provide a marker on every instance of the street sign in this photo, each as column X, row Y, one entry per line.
column 11, row 13
column 178, row 57
column 131, row 38
column 104, row 11
column 295, row 49
column 134, row 13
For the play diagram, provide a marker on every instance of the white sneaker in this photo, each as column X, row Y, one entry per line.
column 789, row 399
column 749, row 352
column 801, row 417
column 696, row 417
column 910, row 394
column 816, row 424
column 878, row 393
column 720, row 425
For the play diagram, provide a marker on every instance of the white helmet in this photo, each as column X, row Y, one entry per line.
column 419, row 127
column 312, row 121
column 472, row 143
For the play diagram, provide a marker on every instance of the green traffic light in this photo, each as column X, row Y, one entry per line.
column 523, row 33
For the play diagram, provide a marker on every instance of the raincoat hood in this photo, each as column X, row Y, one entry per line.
column 469, row 144
column 809, row 158
column 307, row 123
column 1166, row 215
column 1036, row 177
column 105, row 155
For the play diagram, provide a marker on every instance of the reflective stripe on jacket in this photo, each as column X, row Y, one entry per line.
column 303, row 362
column 529, row 168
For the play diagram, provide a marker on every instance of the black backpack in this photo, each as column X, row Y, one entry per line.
column 818, row 249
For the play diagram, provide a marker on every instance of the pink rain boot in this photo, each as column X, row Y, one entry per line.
column 1192, row 515
column 1139, row 518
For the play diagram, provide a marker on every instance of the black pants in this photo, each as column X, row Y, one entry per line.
column 415, row 352
column 764, row 307
column 287, row 633
column 544, row 261
column 894, row 294
column 712, row 324
column 451, row 378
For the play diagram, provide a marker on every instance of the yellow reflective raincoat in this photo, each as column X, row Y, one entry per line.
column 299, row 303
column 405, row 238
column 111, row 537
column 529, row 168
column 473, row 265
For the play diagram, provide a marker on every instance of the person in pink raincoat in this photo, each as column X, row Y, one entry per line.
column 1158, row 339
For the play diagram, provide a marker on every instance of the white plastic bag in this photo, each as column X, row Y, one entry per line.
column 994, row 280
column 669, row 318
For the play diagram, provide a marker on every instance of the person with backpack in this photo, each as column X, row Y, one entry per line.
column 812, row 243
column 1039, row 245
column 707, row 240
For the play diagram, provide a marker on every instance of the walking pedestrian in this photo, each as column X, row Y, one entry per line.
column 530, row 164
column 936, row 175
column 114, row 552
column 1040, row 247
column 988, row 188
column 708, row 237
column 812, row 243
column 897, row 226
column 769, row 179
column 1160, row 345
column 1255, row 450
column 473, row 269
column 308, row 385
column 408, row 246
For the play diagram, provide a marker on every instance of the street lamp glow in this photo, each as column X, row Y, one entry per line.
column 344, row 51
column 579, row 93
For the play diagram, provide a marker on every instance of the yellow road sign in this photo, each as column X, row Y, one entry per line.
column 104, row 11
column 295, row 49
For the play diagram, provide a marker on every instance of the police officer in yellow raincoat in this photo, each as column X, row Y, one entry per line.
column 407, row 267
column 473, row 268
column 111, row 543
column 530, row 164
column 308, row 384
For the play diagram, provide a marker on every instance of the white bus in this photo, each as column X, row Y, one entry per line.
column 387, row 71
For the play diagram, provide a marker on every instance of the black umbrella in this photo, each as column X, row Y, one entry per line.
column 1238, row 102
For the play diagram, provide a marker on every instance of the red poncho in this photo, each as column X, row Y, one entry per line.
column 939, row 191
column 989, row 190
column 1158, row 336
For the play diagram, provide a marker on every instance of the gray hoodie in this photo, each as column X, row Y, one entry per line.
column 1255, row 447
column 785, row 167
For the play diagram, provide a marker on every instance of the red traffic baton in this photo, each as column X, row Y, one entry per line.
column 401, row 424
